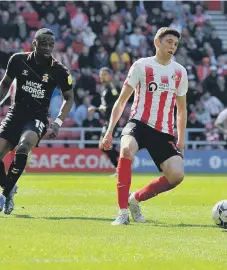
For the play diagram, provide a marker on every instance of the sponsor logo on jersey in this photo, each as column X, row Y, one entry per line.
column 35, row 89
column 45, row 78
column 70, row 79
column 175, row 77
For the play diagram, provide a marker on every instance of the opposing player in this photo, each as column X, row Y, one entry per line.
column 37, row 74
column 159, row 83
column 108, row 97
column 221, row 123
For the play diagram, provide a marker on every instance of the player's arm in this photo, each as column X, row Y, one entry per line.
column 130, row 84
column 181, row 120
column 119, row 106
column 4, row 87
column 68, row 100
column 8, row 78
column 117, row 111
column 65, row 84
column 182, row 110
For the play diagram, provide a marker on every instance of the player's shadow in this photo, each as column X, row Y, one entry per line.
column 60, row 218
column 78, row 218
column 156, row 223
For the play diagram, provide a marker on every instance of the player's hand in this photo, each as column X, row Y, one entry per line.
column 91, row 109
column 181, row 147
column 106, row 143
column 53, row 130
column 102, row 109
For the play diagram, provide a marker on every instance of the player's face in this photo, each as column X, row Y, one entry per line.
column 44, row 45
column 104, row 76
column 167, row 46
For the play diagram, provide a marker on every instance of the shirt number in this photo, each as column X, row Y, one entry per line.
column 39, row 125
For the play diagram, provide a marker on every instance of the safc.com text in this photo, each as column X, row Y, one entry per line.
column 68, row 160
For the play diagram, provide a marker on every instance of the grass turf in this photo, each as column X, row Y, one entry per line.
column 62, row 221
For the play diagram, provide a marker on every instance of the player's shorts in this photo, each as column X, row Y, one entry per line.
column 160, row 146
column 13, row 126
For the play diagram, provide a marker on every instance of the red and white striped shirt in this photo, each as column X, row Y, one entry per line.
column 156, row 87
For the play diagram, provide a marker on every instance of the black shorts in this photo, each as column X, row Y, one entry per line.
column 13, row 126
column 160, row 146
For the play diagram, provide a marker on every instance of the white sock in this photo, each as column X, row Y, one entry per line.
column 132, row 198
column 123, row 211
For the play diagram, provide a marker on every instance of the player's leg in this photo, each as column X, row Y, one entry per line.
column 128, row 149
column 5, row 147
column 173, row 170
column 169, row 160
column 29, row 140
column 30, row 135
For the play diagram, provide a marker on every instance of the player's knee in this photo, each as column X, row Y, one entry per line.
column 126, row 152
column 177, row 177
column 24, row 147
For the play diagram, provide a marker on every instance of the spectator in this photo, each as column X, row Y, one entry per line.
column 120, row 60
column 52, row 25
column 104, row 36
column 199, row 16
column 202, row 114
column 88, row 37
column 90, row 122
column 86, row 81
column 128, row 23
column 20, row 29
column 176, row 25
column 181, row 56
column 216, row 43
column 5, row 26
column 101, row 58
column 210, row 83
column 136, row 37
column 81, row 112
column 79, row 20
column 203, row 70
column 84, row 60
column 114, row 24
column 212, row 104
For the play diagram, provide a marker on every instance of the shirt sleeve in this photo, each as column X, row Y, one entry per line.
column 183, row 86
column 222, row 117
column 133, row 76
column 65, row 80
column 12, row 67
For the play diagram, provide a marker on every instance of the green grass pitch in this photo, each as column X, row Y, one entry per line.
column 62, row 221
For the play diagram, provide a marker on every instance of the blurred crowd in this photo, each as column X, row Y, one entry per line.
column 93, row 34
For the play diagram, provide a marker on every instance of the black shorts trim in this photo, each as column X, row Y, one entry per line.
column 161, row 146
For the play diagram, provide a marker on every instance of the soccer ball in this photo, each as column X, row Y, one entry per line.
column 219, row 214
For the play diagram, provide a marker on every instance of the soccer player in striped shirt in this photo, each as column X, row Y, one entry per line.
column 159, row 83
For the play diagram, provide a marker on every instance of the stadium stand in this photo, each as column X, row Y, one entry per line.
column 91, row 35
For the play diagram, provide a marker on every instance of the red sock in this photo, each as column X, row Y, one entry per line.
column 124, row 181
column 152, row 189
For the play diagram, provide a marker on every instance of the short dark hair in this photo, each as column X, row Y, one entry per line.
column 106, row 69
column 164, row 31
column 42, row 31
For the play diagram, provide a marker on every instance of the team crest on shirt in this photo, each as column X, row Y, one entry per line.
column 45, row 78
column 175, row 77
column 25, row 72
